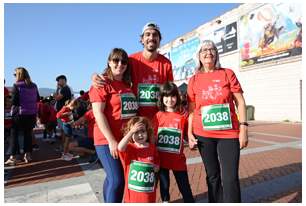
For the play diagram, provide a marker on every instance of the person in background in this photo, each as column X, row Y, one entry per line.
column 62, row 94
column 113, row 105
column 85, row 145
column 24, row 110
column 66, row 116
column 149, row 70
column 213, row 126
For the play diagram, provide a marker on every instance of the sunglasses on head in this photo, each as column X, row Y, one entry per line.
column 117, row 60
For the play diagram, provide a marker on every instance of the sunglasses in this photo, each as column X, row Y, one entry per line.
column 14, row 74
column 117, row 60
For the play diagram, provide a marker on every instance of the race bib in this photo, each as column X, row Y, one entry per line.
column 129, row 105
column 141, row 177
column 216, row 117
column 148, row 94
column 169, row 140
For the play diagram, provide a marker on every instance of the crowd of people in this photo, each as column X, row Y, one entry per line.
column 138, row 119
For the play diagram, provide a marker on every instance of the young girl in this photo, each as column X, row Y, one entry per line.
column 140, row 161
column 66, row 116
column 170, row 125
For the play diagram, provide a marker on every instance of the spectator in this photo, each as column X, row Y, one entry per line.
column 24, row 110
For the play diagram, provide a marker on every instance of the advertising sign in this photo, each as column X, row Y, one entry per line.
column 183, row 58
column 270, row 32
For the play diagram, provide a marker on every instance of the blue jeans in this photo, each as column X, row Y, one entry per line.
column 113, row 186
column 182, row 181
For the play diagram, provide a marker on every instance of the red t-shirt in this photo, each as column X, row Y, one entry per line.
column 146, row 74
column 8, row 122
column 52, row 117
column 6, row 92
column 143, row 155
column 111, row 94
column 85, row 96
column 90, row 118
column 217, row 87
column 66, row 118
column 170, row 145
column 43, row 112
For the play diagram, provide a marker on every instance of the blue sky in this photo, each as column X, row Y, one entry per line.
column 75, row 39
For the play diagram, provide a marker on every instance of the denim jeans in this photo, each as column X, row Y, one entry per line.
column 113, row 186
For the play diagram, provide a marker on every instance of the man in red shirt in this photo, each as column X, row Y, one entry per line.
column 149, row 70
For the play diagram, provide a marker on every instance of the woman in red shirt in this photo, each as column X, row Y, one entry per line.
column 213, row 125
column 113, row 104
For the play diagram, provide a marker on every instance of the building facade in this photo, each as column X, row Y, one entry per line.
column 262, row 44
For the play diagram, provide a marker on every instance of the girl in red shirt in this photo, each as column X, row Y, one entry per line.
column 140, row 161
column 113, row 104
column 170, row 126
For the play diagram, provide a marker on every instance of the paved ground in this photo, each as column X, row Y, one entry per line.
column 270, row 171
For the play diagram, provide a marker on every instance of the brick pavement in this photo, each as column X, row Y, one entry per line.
column 274, row 157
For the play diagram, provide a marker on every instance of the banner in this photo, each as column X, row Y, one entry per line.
column 270, row 32
column 183, row 59
column 225, row 38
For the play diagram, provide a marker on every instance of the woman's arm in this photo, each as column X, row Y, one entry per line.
column 191, row 139
column 98, row 109
column 243, row 133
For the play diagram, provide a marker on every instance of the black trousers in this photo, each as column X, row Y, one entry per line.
column 182, row 181
column 24, row 123
column 221, row 160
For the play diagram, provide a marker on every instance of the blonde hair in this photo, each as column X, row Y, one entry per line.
column 23, row 75
column 143, row 120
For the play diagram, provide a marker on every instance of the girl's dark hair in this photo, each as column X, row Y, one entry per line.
column 118, row 53
column 134, row 120
column 166, row 90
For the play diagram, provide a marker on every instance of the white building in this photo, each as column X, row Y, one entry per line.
column 268, row 63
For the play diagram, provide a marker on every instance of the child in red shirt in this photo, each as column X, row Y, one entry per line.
column 170, row 125
column 66, row 116
column 85, row 145
column 140, row 161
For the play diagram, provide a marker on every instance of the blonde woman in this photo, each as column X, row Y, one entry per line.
column 24, row 110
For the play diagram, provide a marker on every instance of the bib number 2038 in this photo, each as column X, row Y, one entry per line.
column 148, row 94
column 216, row 117
column 141, row 177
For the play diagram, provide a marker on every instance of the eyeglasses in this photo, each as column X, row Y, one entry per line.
column 14, row 74
column 208, row 49
column 117, row 60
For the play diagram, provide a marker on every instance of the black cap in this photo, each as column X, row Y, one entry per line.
column 61, row 77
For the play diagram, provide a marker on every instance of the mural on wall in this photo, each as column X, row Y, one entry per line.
column 225, row 38
column 270, row 32
column 183, row 58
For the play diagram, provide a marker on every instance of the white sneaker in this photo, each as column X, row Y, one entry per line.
column 67, row 157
